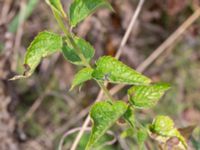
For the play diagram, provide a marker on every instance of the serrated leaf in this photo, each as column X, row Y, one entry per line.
column 114, row 71
column 83, row 75
column 130, row 117
column 56, row 6
column 146, row 96
column 44, row 44
column 80, row 9
column 70, row 53
column 104, row 115
column 164, row 129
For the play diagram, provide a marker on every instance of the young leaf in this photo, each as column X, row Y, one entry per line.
column 80, row 9
column 146, row 96
column 44, row 44
column 114, row 71
column 104, row 115
column 129, row 117
column 70, row 53
column 83, row 75
column 56, row 6
column 164, row 128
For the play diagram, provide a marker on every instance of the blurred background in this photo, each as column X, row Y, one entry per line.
column 36, row 112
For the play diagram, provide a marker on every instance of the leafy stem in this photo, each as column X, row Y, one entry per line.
column 105, row 90
column 78, row 52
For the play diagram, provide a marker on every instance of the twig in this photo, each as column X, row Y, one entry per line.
column 4, row 12
column 86, row 129
column 151, row 59
column 129, row 29
column 19, row 32
column 123, row 42
column 166, row 44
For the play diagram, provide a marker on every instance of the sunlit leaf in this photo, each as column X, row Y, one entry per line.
column 164, row 129
column 44, row 44
column 104, row 115
column 114, row 71
column 70, row 53
column 146, row 96
column 56, row 6
column 83, row 75
column 80, row 9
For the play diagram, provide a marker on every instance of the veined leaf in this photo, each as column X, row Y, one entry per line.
column 56, row 6
column 104, row 115
column 146, row 96
column 71, row 55
column 44, row 44
column 80, row 9
column 114, row 71
column 163, row 127
column 83, row 75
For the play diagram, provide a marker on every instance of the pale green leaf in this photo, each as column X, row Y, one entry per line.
column 56, row 6
column 70, row 53
column 104, row 115
column 142, row 135
column 130, row 117
column 129, row 132
column 164, row 129
column 83, row 75
column 80, row 9
column 44, row 44
column 114, row 71
column 146, row 96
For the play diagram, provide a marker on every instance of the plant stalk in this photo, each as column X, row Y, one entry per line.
column 79, row 52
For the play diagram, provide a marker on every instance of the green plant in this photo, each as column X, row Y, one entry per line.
column 142, row 95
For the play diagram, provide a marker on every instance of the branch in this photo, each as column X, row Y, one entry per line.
column 122, row 44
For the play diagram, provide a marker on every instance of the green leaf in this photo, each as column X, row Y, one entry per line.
column 83, row 75
column 129, row 132
column 146, row 96
column 130, row 117
column 44, row 44
column 114, row 71
column 56, row 6
column 163, row 127
column 142, row 135
column 104, row 115
column 80, row 9
column 71, row 55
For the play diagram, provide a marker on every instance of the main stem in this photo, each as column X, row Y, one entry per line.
column 79, row 52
